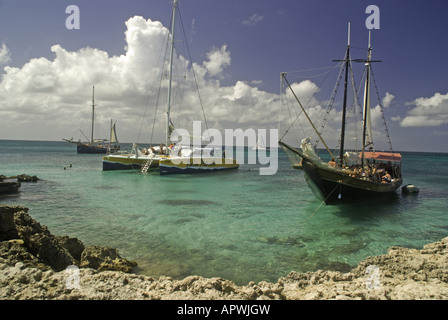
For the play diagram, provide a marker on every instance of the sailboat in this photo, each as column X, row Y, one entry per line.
column 169, row 158
column 98, row 146
column 260, row 145
column 350, row 176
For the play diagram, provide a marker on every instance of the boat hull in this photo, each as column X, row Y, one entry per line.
column 127, row 162
column 193, row 166
column 168, row 165
column 91, row 149
column 334, row 186
column 83, row 148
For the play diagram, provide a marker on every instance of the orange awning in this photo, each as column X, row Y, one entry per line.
column 382, row 156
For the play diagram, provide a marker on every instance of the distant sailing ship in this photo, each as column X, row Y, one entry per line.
column 350, row 176
column 261, row 145
column 98, row 146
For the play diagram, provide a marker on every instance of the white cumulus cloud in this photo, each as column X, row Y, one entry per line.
column 387, row 100
column 5, row 55
column 427, row 112
column 50, row 98
column 218, row 59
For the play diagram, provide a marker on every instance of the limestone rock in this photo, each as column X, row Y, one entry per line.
column 7, row 225
column 105, row 258
column 41, row 243
column 9, row 187
column 400, row 274
column 73, row 245
column 27, row 178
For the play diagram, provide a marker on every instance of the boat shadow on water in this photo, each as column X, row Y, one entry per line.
column 375, row 208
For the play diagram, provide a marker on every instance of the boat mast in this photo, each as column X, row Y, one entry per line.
column 366, row 104
column 93, row 112
column 347, row 62
column 170, row 77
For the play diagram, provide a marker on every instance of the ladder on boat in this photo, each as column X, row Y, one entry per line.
column 146, row 166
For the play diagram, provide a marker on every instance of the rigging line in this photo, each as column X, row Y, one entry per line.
column 311, row 77
column 337, row 185
column 158, row 91
column 314, row 69
column 306, row 104
column 147, row 106
column 332, row 98
column 338, row 65
column 298, row 101
column 192, row 68
column 160, row 87
column 146, row 109
column 382, row 111
column 332, row 68
column 289, row 111
column 331, row 101
column 327, row 73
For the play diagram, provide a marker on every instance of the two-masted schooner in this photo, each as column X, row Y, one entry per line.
column 349, row 175
column 97, row 146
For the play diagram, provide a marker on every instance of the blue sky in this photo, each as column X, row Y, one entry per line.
column 253, row 41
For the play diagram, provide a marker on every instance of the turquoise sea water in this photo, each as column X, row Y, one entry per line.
column 238, row 225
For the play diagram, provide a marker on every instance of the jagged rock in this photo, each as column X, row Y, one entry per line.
column 16, row 223
column 8, row 229
column 73, row 245
column 41, row 243
column 105, row 258
column 27, row 178
column 56, row 252
column 9, row 187
column 400, row 274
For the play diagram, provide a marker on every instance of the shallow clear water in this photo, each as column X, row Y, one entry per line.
column 237, row 225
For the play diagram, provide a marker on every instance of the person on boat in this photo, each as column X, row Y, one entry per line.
column 171, row 150
column 161, row 149
column 387, row 177
column 332, row 163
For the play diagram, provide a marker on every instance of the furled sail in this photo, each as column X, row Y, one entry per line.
column 113, row 134
column 367, row 117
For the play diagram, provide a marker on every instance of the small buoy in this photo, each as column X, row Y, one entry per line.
column 409, row 188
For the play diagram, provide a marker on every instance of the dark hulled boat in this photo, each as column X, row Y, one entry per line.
column 97, row 146
column 350, row 176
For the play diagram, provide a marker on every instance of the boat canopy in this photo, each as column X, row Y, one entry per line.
column 382, row 156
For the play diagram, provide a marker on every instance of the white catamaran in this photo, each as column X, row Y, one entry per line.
column 169, row 158
column 352, row 175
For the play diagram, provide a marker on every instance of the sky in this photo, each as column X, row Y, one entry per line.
column 238, row 49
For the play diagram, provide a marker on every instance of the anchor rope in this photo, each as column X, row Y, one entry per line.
column 323, row 201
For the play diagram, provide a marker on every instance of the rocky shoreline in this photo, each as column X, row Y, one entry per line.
column 8, row 187
column 36, row 265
